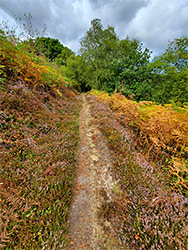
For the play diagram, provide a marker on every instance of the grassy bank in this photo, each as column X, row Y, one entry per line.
column 38, row 141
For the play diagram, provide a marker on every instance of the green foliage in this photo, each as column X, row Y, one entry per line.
column 112, row 64
column 170, row 73
column 18, row 63
column 61, row 59
column 107, row 63
column 78, row 71
column 50, row 47
column 2, row 74
column 131, row 76
column 98, row 48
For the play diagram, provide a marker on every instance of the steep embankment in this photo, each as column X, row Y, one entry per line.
column 38, row 143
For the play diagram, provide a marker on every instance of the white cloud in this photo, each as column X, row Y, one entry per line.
column 153, row 22
column 159, row 22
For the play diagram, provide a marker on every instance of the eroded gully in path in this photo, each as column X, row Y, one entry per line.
column 93, row 175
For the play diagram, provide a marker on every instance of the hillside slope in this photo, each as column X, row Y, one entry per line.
column 147, row 211
column 38, row 141
column 129, row 160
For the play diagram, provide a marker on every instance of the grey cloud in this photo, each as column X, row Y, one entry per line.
column 63, row 21
column 160, row 22
column 67, row 20
column 117, row 12
column 98, row 3
column 153, row 22
column 39, row 10
column 122, row 10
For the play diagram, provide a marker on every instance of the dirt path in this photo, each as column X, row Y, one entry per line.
column 93, row 176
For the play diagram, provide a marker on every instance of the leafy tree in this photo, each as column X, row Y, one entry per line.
column 115, row 64
column 98, row 48
column 78, row 71
column 131, row 74
column 106, row 62
column 50, row 47
column 170, row 73
column 61, row 59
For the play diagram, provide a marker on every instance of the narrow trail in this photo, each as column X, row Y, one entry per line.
column 93, row 177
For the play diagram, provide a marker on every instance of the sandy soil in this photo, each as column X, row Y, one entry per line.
column 93, row 176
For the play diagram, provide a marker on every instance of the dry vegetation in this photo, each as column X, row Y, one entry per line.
column 162, row 131
column 147, row 213
column 38, row 142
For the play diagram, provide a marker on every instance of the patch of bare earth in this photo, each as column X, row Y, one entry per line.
column 93, row 175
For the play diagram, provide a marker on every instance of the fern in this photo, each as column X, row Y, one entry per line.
column 163, row 128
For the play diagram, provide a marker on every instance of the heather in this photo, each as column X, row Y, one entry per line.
column 38, row 144
column 159, row 130
column 132, row 134
column 147, row 212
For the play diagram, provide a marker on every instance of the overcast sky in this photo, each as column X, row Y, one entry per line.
column 153, row 22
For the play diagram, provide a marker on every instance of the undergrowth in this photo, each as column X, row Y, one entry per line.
column 161, row 131
column 38, row 143
column 18, row 62
column 145, row 213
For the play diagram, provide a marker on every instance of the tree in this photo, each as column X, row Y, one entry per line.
column 170, row 73
column 61, row 59
column 131, row 75
column 50, row 47
column 98, row 48
column 78, row 71
column 116, row 64
column 108, row 63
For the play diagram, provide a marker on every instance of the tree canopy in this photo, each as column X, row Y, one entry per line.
column 52, row 49
column 106, row 62
column 98, row 47
column 170, row 73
